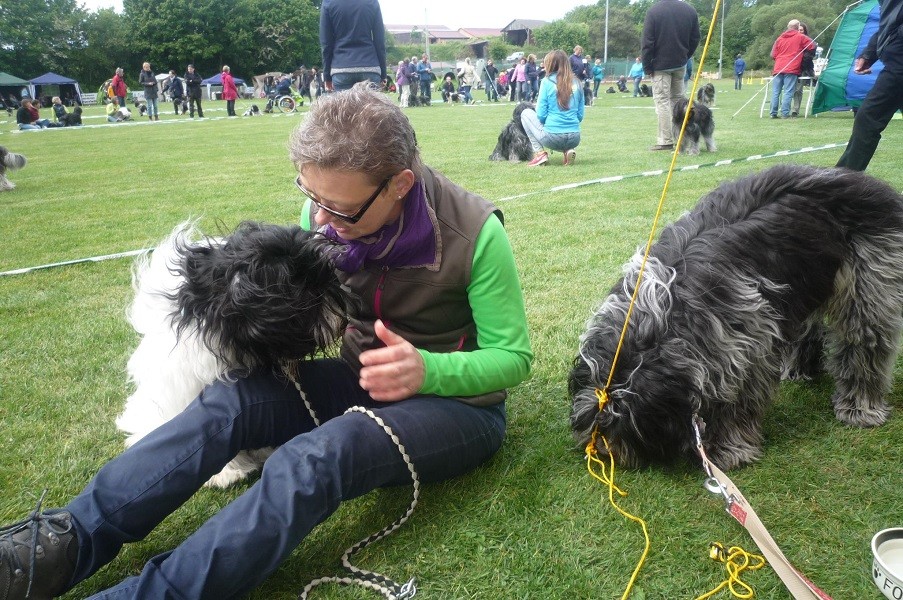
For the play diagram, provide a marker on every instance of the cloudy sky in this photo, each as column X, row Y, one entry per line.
column 451, row 13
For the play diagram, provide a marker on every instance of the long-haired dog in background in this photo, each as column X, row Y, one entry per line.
column 701, row 124
column 215, row 308
column 706, row 95
column 754, row 275
column 9, row 161
column 513, row 144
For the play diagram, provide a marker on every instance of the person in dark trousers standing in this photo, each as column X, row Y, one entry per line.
column 490, row 72
column 193, row 83
column 670, row 37
column 886, row 96
column 353, row 43
column 176, row 91
column 739, row 70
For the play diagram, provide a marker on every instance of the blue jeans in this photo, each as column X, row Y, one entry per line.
column 467, row 97
column 152, row 107
column 302, row 483
column 121, row 101
column 782, row 83
column 346, row 81
column 540, row 138
column 738, row 81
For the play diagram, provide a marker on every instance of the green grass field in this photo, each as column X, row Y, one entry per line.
column 531, row 523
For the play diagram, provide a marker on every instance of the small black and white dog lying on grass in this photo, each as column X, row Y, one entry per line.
column 706, row 95
column 701, row 124
column 9, row 161
column 736, row 292
column 214, row 308
column 513, row 144
column 252, row 111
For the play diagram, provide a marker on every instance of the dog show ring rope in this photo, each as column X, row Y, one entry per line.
column 357, row 576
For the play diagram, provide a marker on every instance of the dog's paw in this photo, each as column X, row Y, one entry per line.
column 862, row 417
column 225, row 478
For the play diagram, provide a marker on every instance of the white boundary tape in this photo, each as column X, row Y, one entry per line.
column 569, row 186
column 656, row 173
column 76, row 262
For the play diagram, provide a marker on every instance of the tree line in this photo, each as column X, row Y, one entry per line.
column 255, row 36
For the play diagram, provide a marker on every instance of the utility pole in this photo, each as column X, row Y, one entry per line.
column 721, row 47
column 605, row 52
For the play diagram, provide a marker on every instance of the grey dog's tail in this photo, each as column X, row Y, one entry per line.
column 14, row 161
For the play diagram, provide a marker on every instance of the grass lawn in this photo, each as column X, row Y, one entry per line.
column 531, row 523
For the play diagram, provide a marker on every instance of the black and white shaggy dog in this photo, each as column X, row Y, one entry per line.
column 252, row 111
column 701, row 124
column 9, row 161
column 214, row 308
column 513, row 144
column 706, row 95
column 736, row 286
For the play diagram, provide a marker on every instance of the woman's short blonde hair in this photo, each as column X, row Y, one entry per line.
column 360, row 130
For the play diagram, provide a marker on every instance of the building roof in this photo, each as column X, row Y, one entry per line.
column 481, row 32
column 409, row 28
column 521, row 24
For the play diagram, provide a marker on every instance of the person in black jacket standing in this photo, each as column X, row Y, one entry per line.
column 193, row 83
column 353, row 41
column 176, row 91
column 670, row 37
column 886, row 96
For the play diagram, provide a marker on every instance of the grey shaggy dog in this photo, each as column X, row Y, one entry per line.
column 740, row 289
column 706, row 95
column 9, row 161
column 701, row 124
column 513, row 144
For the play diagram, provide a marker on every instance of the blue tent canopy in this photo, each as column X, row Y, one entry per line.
column 218, row 80
column 58, row 80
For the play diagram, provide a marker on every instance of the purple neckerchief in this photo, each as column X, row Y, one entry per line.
column 411, row 241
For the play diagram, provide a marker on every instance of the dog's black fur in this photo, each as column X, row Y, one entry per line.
column 733, row 289
column 72, row 119
column 9, row 161
column 513, row 143
column 252, row 111
column 141, row 106
column 701, row 124
column 706, row 95
column 418, row 100
column 645, row 90
column 265, row 295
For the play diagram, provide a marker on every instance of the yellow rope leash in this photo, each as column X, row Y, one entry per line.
column 736, row 560
column 608, row 476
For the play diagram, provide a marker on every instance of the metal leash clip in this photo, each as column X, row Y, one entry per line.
column 408, row 590
column 711, row 483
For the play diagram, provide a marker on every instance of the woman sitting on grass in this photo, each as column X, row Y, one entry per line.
column 429, row 353
column 555, row 123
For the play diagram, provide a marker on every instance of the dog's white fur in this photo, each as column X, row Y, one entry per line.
column 168, row 372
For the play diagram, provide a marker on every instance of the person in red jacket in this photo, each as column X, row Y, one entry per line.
column 230, row 92
column 119, row 88
column 787, row 53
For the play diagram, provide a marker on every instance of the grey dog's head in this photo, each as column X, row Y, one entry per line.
column 646, row 417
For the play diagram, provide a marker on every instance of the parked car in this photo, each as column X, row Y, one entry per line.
column 514, row 56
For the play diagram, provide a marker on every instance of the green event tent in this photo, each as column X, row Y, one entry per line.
column 839, row 88
column 10, row 84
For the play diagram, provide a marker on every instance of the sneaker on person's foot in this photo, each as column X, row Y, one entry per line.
column 569, row 157
column 37, row 556
column 540, row 158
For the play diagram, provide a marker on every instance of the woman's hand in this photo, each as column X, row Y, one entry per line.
column 392, row 373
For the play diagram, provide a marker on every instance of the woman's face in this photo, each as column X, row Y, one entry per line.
column 348, row 192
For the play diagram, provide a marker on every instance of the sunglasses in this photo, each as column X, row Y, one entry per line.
column 345, row 217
